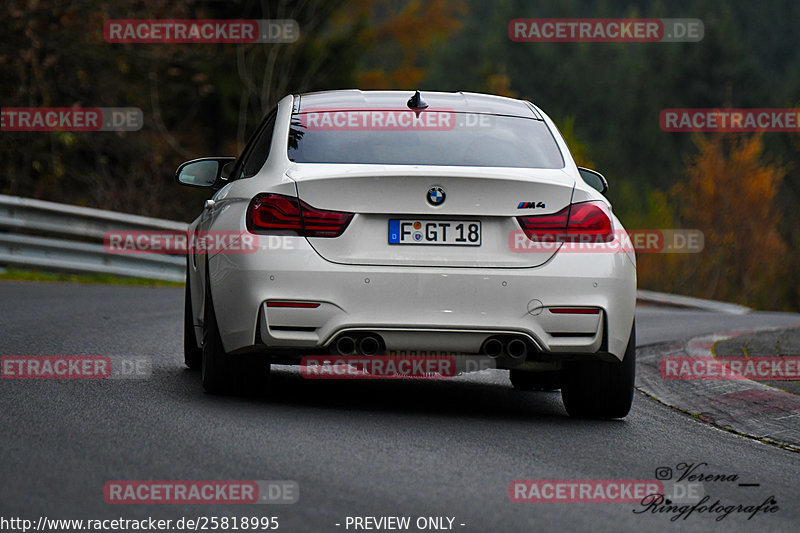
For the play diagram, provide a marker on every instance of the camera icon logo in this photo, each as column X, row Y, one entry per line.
column 663, row 473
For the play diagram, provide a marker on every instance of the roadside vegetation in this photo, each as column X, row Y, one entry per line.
column 741, row 190
column 15, row 274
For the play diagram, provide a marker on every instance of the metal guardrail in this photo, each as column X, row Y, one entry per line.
column 689, row 302
column 68, row 238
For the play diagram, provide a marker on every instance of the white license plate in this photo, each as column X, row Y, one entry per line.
column 441, row 232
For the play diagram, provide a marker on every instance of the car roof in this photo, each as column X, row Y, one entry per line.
column 460, row 102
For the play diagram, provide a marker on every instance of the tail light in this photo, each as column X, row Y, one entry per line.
column 581, row 222
column 287, row 215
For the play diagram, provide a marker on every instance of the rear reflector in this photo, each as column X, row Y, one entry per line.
column 287, row 215
column 298, row 305
column 574, row 310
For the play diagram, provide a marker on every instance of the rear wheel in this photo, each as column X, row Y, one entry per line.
column 216, row 367
column 223, row 373
column 548, row 380
column 192, row 353
column 599, row 389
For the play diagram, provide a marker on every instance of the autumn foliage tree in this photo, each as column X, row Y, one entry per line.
column 405, row 38
column 196, row 99
column 729, row 195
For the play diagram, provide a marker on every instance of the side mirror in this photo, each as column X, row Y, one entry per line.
column 205, row 172
column 594, row 179
column 227, row 168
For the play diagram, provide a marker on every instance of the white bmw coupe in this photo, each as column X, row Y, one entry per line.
column 386, row 222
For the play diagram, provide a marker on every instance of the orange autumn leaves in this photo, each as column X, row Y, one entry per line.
column 729, row 194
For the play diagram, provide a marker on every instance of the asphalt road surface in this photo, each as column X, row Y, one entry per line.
column 423, row 448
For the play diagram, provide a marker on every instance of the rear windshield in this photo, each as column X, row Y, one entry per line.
column 400, row 137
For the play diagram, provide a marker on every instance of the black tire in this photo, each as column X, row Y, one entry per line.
column 223, row 373
column 599, row 389
column 192, row 353
column 548, row 380
column 216, row 371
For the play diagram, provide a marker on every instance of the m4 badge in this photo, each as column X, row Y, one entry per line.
column 530, row 205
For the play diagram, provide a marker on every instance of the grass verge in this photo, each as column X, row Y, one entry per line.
column 15, row 274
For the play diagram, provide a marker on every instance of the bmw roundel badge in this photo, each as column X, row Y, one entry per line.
column 436, row 196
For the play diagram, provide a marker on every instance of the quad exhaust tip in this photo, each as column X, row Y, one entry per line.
column 493, row 348
column 365, row 344
column 345, row 345
column 369, row 345
column 517, row 349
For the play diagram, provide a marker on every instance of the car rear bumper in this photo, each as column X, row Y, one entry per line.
column 422, row 308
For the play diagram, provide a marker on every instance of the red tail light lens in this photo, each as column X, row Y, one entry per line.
column 546, row 228
column 287, row 215
column 319, row 223
column 581, row 222
column 590, row 218
column 271, row 213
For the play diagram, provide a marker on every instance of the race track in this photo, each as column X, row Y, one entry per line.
column 435, row 448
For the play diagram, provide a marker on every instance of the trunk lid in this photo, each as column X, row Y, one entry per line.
column 377, row 194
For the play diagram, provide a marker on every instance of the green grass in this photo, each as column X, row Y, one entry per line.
column 14, row 274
